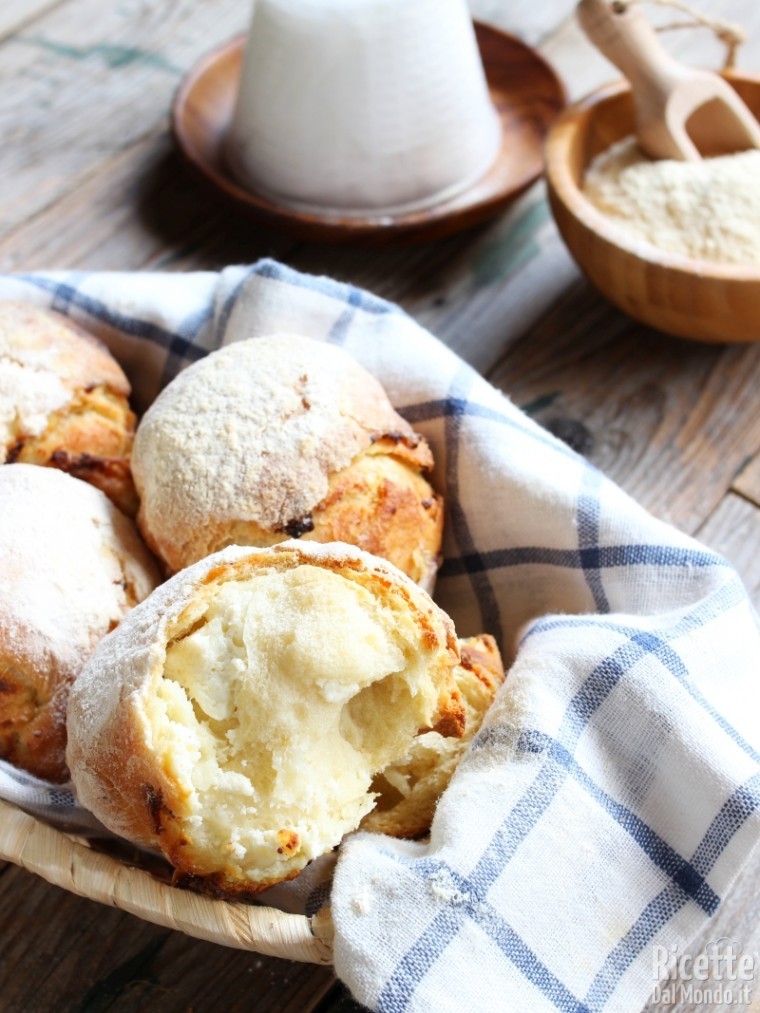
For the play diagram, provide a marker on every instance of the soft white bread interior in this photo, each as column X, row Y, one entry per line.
column 237, row 719
column 408, row 790
column 281, row 437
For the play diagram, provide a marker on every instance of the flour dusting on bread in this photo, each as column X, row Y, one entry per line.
column 236, row 719
column 266, row 439
column 64, row 401
column 72, row 566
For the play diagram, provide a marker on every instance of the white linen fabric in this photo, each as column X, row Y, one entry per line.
column 614, row 792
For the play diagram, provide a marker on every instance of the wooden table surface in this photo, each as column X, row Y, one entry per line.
column 90, row 180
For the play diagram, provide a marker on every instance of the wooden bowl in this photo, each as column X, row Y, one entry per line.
column 525, row 90
column 690, row 298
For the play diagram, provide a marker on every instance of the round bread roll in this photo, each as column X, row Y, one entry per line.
column 283, row 437
column 408, row 790
column 63, row 401
column 72, row 566
column 236, row 718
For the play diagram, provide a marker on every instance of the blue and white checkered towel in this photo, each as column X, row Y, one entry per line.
column 613, row 795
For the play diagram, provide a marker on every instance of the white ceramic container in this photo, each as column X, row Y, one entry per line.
column 362, row 106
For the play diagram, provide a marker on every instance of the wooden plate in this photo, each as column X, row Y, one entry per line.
column 525, row 90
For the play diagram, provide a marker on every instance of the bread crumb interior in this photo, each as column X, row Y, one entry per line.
column 281, row 698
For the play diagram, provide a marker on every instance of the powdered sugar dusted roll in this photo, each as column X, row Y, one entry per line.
column 236, row 718
column 72, row 566
column 283, row 436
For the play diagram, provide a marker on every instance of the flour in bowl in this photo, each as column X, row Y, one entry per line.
column 707, row 210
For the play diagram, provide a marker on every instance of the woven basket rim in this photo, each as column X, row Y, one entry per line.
column 65, row 862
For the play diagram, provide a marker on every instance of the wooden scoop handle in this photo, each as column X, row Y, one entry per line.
column 627, row 39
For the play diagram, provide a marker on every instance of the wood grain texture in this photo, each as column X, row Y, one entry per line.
column 141, row 211
column 737, row 919
column 524, row 91
column 114, row 881
column 747, row 482
column 702, row 301
column 18, row 14
column 96, row 78
column 733, row 529
column 671, row 421
column 91, row 958
column 584, row 68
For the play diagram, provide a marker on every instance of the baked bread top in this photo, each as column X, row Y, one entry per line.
column 236, row 718
column 72, row 566
column 243, row 446
column 63, row 401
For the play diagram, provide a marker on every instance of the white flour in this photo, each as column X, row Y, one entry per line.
column 708, row 210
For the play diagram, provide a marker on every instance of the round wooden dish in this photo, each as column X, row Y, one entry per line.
column 690, row 298
column 524, row 88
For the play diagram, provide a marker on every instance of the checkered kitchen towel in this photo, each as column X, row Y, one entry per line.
column 613, row 795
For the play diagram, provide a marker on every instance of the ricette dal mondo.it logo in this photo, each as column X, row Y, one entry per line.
column 721, row 974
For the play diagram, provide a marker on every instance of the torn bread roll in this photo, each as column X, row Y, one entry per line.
column 408, row 790
column 283, row 437
column 72, row 566
column 64, row 401
column 236, row 719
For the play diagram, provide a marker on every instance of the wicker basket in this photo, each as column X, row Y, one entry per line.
column 69, row 863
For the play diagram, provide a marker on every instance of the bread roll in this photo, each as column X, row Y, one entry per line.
column 408, row 790
column 284, row 437
column 72, row 566
column 236, row 718
column 63, row 401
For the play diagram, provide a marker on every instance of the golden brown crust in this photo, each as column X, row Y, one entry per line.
column 409, row 791
column 381, row 503
column 64, row 401
column 113, row 764
column 481, row 656
column 30, row 729
column 278, row 438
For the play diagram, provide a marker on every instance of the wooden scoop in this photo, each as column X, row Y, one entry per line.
column 681, row 113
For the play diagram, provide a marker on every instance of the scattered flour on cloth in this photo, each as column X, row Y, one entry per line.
column 707, row 210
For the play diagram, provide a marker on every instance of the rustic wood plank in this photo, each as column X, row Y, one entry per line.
column 143, row 210
column 339, row 1000
column 18, row 14
column 60, row 952
column 738, row 919
column 734, row 531
column 747, row 482
column 96, row 78
column 672, row 421
column 476, row 292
